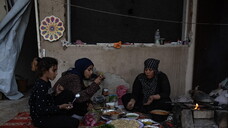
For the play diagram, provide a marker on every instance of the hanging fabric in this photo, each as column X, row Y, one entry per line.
column 12, row 30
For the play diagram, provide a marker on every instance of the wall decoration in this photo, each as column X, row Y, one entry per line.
column 51, row 28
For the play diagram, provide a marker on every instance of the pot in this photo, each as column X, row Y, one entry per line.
column 159, row 115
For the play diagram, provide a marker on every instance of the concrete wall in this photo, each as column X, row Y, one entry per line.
column 126, row 62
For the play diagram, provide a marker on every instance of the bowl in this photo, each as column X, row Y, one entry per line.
column 110, row 114
column 159, row 115
column 132, row 116
column 110, row 105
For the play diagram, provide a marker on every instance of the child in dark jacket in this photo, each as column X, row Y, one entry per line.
column 43, row 111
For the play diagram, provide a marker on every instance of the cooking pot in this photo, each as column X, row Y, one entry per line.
column 201, row 97
column 159, row 115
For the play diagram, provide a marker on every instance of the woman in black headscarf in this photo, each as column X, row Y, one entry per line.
column 150, row 91
column 71, row 83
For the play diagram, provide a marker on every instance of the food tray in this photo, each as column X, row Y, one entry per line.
column 128, row 123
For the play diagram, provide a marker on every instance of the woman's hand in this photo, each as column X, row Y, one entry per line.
column 66, row 106
column 99, row 79
column 90, row 106
column 150, row 100
column 131, row 104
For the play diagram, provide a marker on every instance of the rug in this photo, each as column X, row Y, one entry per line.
column 21, row 120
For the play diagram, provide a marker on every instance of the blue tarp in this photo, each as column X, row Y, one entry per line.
column 12, row 30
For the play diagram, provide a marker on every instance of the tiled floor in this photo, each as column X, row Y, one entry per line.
column 10, row 108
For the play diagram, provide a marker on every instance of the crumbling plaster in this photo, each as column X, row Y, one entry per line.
column 126, row 61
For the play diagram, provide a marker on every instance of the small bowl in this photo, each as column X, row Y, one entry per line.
column 115, row 116
column 132, row 115
column 110, row 105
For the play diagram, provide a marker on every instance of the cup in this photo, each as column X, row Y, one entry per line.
column 162, row 41
column 110, row 105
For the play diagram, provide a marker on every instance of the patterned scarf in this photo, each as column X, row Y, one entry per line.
column 148, row 86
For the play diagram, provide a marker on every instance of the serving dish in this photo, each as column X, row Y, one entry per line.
column 148, row 121
column 132, row 115
column 151, row 126
column 110, row 104
column 111, row 114
column 159, row 115
column 124, row 123
column 159, row 112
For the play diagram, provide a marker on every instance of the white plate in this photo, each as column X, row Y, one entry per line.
column 106, row 116
column 141, row 124
column 151, row 126
column 150, row 122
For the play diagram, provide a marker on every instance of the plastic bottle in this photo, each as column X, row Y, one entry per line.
column 157, row 37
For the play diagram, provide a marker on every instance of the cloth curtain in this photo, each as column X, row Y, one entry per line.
column 12, row 30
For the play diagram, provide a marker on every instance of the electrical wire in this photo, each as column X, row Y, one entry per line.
column 142, row 18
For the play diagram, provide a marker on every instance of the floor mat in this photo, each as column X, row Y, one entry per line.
column 21, row 120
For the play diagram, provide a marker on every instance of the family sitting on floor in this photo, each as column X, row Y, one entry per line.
column 54, row 106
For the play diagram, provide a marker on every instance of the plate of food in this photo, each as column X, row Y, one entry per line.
column 148, row 121
column 159, row 112
column 124, row 123
column 111, row 114
column 151, row 126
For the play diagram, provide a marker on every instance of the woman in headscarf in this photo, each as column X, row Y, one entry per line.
column 150, row 91
column 71, row 83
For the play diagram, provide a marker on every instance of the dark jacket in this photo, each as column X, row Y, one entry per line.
column 41, row 102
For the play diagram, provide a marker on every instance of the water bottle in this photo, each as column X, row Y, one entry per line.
column 157, row 37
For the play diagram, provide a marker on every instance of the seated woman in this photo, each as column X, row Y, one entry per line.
column 71, row 83
column 151, row 90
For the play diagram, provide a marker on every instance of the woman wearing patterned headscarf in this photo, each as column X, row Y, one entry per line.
column 150, row 91
column 71, row 83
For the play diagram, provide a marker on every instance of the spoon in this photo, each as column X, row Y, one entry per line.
column 76, row 96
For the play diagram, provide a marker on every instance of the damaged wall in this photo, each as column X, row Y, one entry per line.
column 126, row 61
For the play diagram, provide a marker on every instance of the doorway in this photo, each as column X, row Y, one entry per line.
column 211, row 51
column 29, row 50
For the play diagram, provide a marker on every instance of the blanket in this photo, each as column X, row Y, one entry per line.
column 21, row 120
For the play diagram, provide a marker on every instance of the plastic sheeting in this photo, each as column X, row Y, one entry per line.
column 12, row 30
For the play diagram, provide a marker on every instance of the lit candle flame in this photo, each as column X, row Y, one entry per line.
column 196, row 107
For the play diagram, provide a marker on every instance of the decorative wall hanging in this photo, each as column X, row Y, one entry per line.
column 51, row 28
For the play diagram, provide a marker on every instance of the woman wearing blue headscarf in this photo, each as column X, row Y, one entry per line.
column 71, row 83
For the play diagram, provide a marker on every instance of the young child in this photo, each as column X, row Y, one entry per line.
column 44, row 113
column 34, row 63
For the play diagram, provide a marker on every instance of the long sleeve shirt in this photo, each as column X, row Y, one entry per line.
column 41, row 102
column 72, row 82
column 163, row 88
